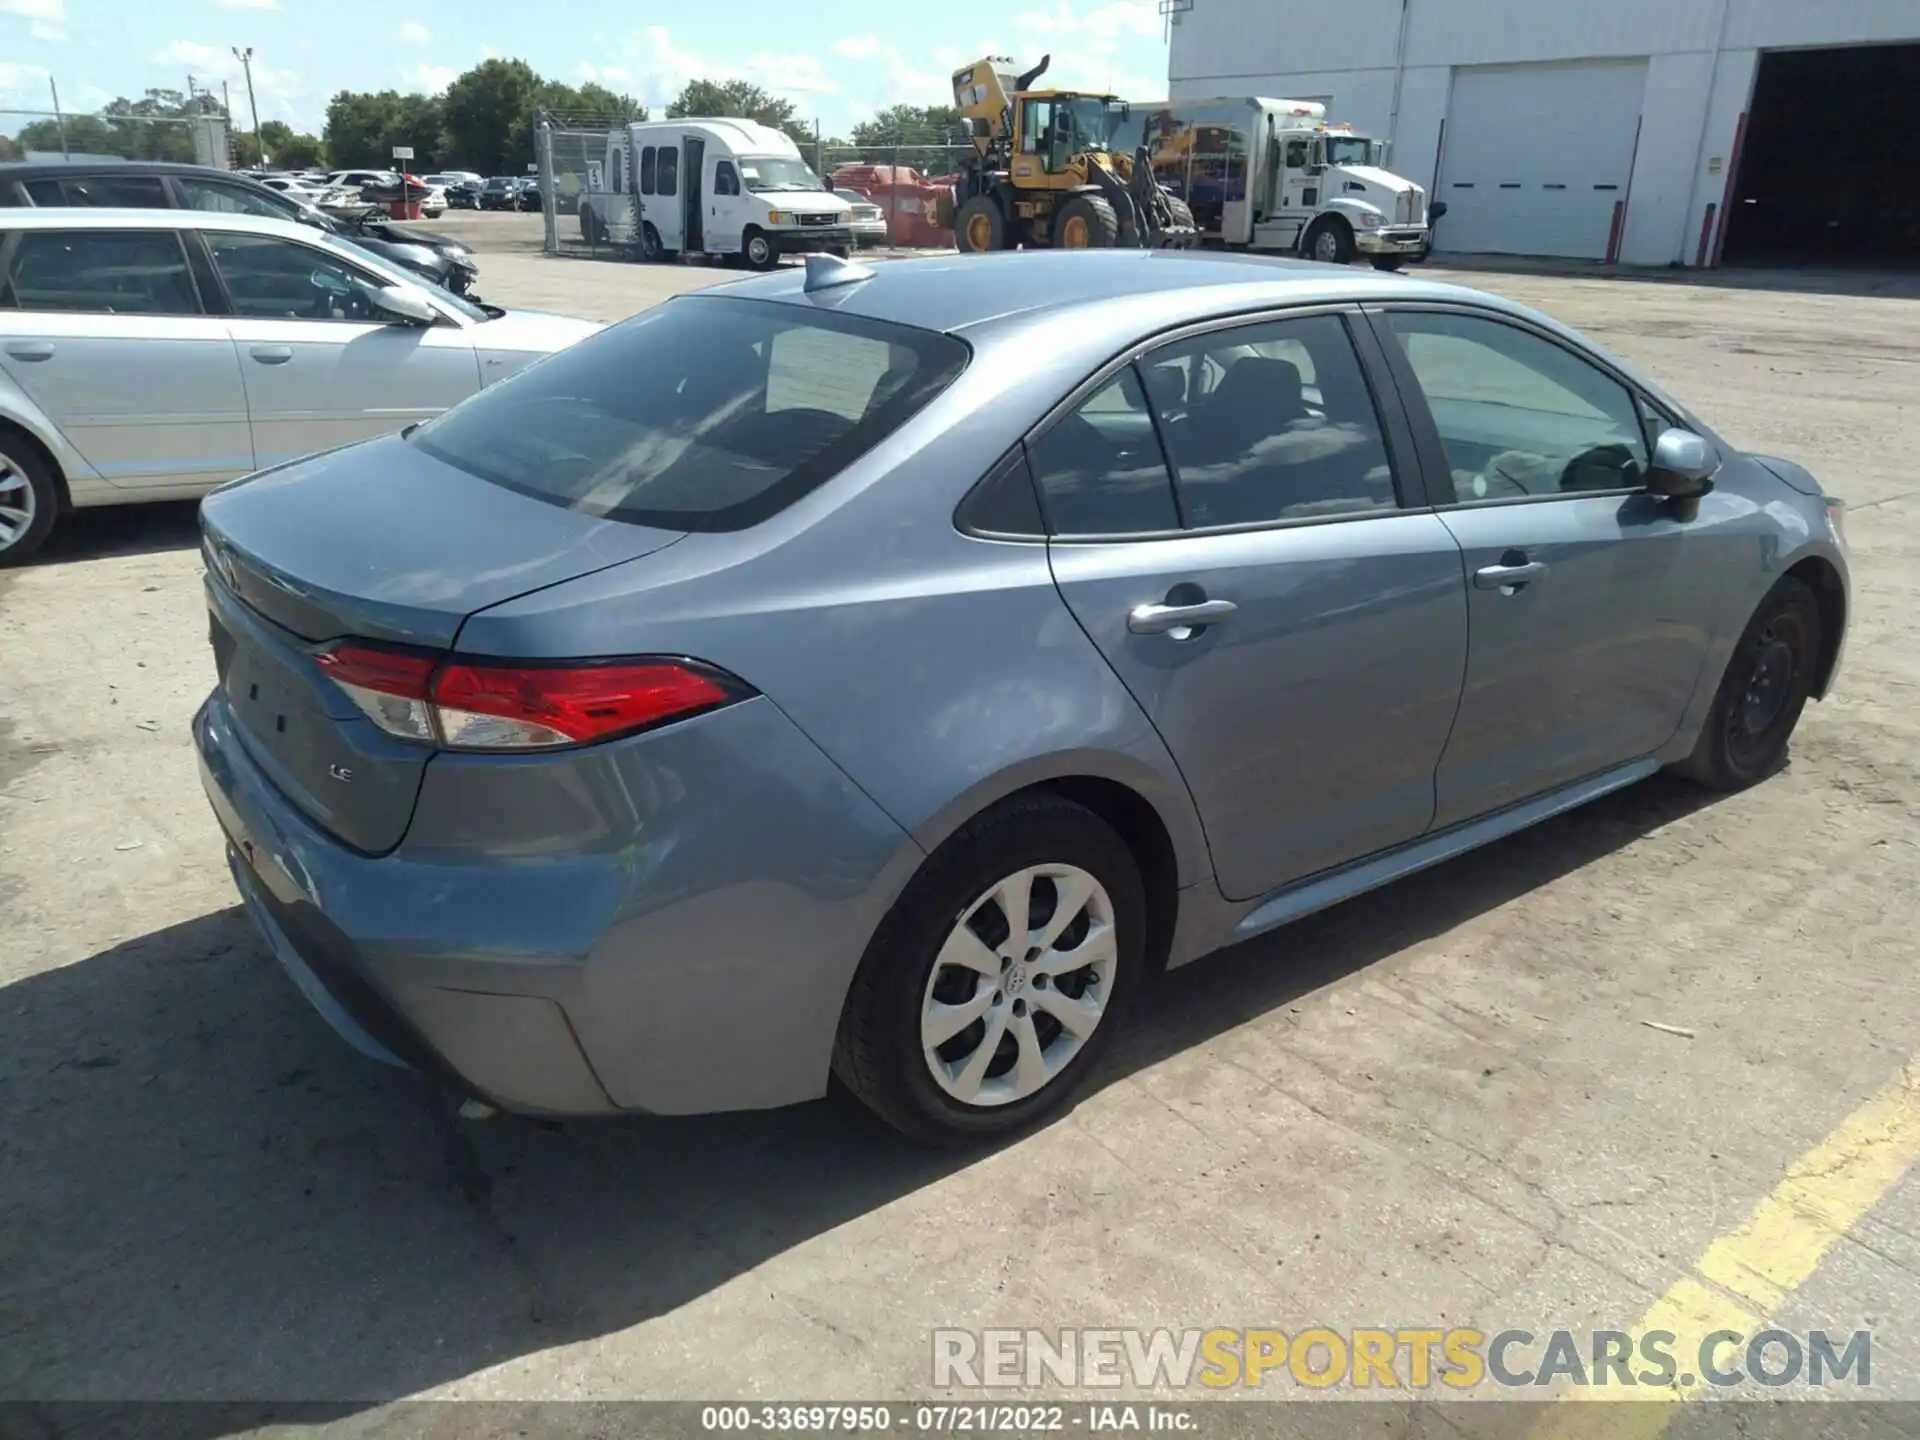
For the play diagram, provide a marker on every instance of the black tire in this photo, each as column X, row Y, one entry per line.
column 1091, row 219
column 651, row 250
column 758, row 250
column 1767, row 682
column 1388, row 263
column 591, row 230
column 877, row 1053
column 977, row 220
column 27, row 486
column 1338, row 249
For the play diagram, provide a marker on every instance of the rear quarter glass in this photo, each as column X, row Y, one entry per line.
column 705, row 413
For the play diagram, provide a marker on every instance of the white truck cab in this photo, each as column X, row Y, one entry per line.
column 1274, row 175
column 717, row 186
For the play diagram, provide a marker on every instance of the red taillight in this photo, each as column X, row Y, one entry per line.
column 491, row 705
column 474, row 705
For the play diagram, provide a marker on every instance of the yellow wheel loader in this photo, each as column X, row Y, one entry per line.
column 1044, row 175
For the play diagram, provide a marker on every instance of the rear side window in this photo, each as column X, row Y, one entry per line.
column 1101, row 468
column 230, row 199
column 101, row 272
column 705, row 413
column 126, row 192
column 1271, row 422
column 669, row 169
column 647, row 170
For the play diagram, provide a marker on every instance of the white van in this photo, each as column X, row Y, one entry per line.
column 711, row 187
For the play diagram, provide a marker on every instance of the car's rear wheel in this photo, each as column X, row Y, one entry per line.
column 999, row 977
column 1764, row 689
column 29, row 500
column 651, row 249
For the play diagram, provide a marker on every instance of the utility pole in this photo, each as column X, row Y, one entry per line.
column 59, row 119
column 245, row 57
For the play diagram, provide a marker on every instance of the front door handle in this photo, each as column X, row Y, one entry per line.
column 1508, row 577
column 30, row 351
column 1168, row 619
column 272, row 354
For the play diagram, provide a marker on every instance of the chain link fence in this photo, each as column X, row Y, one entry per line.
column 570, row 152
column 105, row 135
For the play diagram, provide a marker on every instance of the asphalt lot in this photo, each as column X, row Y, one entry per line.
column 1437, row 1105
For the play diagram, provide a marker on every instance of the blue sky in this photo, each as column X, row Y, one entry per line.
column 838, row 62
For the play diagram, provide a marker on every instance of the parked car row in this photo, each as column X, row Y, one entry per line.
column 162, row 185
column 509, row 192
column 152, row 355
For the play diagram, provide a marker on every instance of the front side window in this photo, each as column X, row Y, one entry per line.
column 725, row 180
column 669, row 177
column 268, row 278
column 228, row 199
column 1271, row 422
column 1101, row 468
column 705, row 413
column 1518, row 415
column 101, row 272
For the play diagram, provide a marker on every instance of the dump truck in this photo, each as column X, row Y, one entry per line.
column 1044, row 172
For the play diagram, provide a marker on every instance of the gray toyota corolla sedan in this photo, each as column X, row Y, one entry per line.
column 880, row 672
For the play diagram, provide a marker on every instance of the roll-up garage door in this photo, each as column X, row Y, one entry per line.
column 1536, row 157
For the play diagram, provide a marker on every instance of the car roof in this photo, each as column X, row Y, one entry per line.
column 35, row 169
column 87, row 217
column 969, row 293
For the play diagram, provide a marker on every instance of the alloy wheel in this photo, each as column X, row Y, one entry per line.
column 1020, row 985
column 1326, row 245
column 18, row 504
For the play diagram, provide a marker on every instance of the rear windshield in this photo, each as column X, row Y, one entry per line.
column 704, row 413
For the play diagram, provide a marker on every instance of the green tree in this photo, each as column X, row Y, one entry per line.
column 743, row 100
column 911, row 125
column 286, row 149
column 487, row 117
column 363, row 128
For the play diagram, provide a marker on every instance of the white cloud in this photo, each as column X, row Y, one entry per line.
column 658, row 69
column 46, row 19
column 858, row 47
column 414, row 33
column 428, row 79
column 1103, row 26
column 606, row 74
column 279, row 92
column 23, row 87
column 248, row 4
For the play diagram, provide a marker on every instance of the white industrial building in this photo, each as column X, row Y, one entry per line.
column 1653, row 132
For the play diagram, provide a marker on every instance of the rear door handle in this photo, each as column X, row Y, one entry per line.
column 30, row 350
column 1508, row 577
column 1165, row 619
column 272, row 354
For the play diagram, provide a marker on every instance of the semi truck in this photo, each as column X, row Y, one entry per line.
column 1274, row 175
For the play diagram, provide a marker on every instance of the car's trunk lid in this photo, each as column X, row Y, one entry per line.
column 374, row 542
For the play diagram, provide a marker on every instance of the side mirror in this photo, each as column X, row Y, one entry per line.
column 1437, row 210
column 404, row 306
column 1684, row 465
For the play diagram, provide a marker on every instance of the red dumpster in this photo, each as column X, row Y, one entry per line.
column 903, row 194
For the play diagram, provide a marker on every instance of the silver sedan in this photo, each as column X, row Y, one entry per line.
column 151, row 355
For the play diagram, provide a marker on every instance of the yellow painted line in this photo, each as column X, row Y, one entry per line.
column 1743, row 1276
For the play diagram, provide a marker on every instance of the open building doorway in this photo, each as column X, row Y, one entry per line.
column 1827, row 172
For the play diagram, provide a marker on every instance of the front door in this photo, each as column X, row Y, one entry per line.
column 322, row 366
column 1589, row 597
column 726, row 208
column 105, row 331
column 1296, row 635
column 696, row 203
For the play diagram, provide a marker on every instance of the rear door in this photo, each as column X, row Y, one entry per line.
column 1240, row 552
column 322, row 367
column 690, row 176
column 1590, row 598
column 105, row 331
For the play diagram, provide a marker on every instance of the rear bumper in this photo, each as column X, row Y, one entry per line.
column 667, row 923
column 1394, row 240
column 810, row 241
